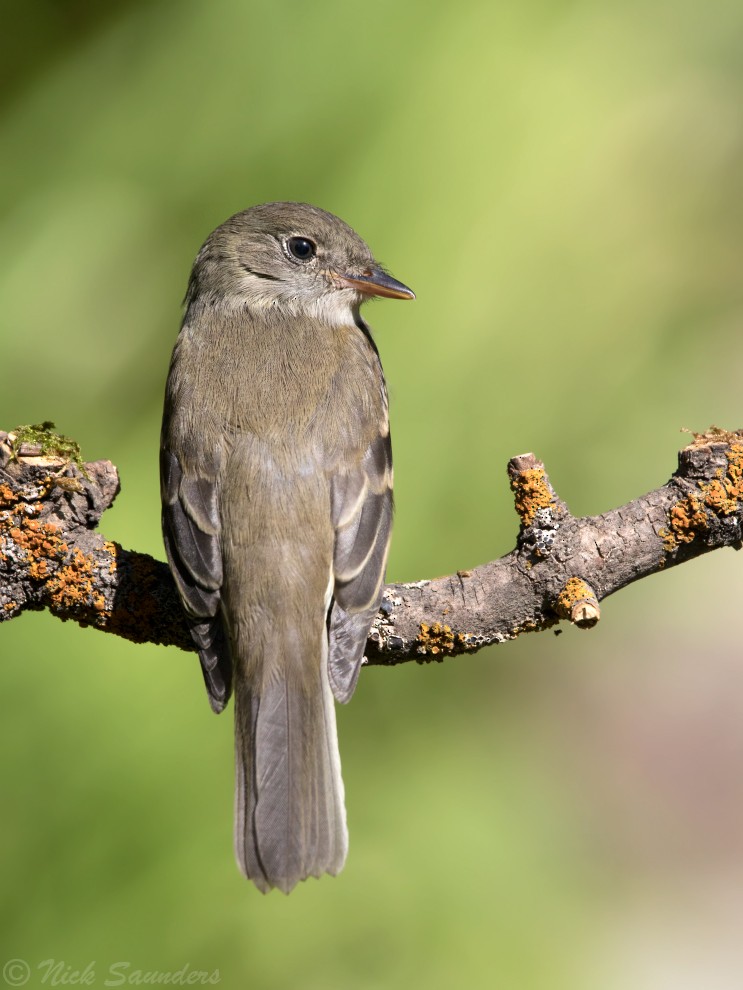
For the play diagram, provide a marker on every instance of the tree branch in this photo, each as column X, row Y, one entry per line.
column 562, row 566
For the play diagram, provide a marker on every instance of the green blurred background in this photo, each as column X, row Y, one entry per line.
column 560, row 182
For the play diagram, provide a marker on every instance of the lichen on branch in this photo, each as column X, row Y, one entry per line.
column 51, row 555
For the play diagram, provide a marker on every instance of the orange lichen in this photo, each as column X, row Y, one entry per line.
column 438, row 638
column 72, row 585
column 40, row 541
column 722, row 496
column 527, row 626
column 575, row 590
column 686, row 518
column 7, row 496
column 717, row 498
column 68, row 576
column 531, row 493
column 39, row 570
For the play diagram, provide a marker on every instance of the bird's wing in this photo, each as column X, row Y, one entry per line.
column 361, row 503
column 191, row 532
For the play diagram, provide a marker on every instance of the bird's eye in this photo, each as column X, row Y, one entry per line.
column 301, row 248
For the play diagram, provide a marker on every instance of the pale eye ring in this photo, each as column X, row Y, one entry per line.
column 301, row 248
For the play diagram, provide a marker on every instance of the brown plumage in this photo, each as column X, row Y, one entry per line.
column 276, row 473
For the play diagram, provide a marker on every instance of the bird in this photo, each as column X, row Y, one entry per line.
column 276, row 485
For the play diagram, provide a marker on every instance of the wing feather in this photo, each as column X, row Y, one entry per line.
column 191, row 533
column 361, row 501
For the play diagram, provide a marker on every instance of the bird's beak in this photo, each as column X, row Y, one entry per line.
column 375, row 282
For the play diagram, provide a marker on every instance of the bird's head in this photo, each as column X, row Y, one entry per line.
column 293, row 257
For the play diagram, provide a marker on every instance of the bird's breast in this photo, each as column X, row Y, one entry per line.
column 308, row 392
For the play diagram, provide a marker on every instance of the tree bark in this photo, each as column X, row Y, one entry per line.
column 562, row 567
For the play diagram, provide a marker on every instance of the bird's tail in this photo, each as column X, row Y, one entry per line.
column 290, row 818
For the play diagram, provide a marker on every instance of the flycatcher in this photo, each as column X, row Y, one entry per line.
column 276, row 473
